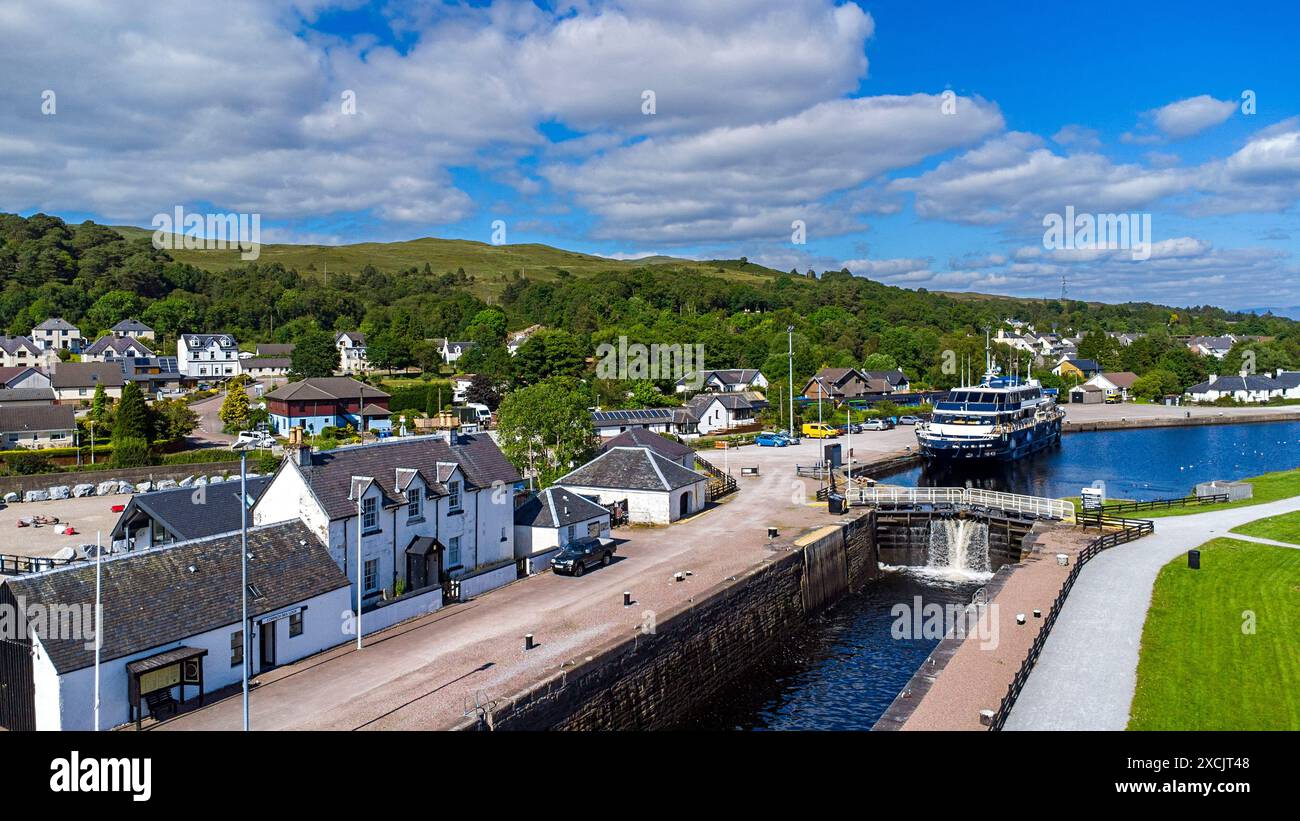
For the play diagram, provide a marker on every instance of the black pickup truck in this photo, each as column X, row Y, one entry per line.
column 580, row 554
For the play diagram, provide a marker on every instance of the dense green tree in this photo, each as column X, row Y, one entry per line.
column 314, row 354
column 235, row 408
column 545, row 429
column 132, row 419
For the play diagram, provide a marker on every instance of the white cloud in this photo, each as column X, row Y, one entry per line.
column 1186, row 118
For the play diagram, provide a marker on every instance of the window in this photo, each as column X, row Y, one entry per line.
column 369, row 514
column 593, row 529
column 453, row 551
column 236, row 648
column 413, row 503
column 453, row 496
column 371, row 574
column 295, row 624
column 572, row 534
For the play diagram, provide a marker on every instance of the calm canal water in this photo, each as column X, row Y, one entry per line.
column 842, row 671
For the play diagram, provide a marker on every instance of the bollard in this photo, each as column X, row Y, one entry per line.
column 1038, row 614
column 627, row 598
column 771, row 533
column 528, row 641
column 1020, row 618
column 1194, row 559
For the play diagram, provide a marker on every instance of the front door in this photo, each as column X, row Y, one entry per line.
column 268, row 645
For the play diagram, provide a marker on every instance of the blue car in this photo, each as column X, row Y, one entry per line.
column 770, row 440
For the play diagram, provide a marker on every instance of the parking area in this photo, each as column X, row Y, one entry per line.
column 86, row 515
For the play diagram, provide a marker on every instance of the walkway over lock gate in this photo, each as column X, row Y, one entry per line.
column 958, row 497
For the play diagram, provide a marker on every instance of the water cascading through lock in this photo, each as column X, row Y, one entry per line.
column 958, row 545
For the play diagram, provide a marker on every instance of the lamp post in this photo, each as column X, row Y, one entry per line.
column 243, row 569
column 92, row 442
column 789, row 332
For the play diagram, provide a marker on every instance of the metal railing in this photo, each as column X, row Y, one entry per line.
column 11, row 565
column 1130, row 530
column 1036, row 506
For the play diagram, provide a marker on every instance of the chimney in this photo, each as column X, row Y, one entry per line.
column 1212, row 378
column 303, row 455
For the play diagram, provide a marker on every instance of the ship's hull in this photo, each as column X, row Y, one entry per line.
column 1005, row 448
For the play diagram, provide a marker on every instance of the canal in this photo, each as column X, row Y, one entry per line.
column 842, row 671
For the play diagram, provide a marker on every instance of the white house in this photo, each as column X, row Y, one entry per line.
column 677, row 421
column 57, row 332
column 36, row 426
column 1290, row 382
column 1117, row 383
column 265, row 367
column 172, row 625
column 720, row 412
column 1215, row 346
column 75, row 382
column 19, row 351
column 426, row 511
column 133, row 328
column 207, row 356
column 1243, row 388
column 452, row 350
column 734, row 380
column 24, row 376
column 515, row 339
column 549, row 520
column 112, row 348
column 460, row 388
column 352, row 352
column 656, row 489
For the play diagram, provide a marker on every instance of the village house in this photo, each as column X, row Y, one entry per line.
column 352, row 352
column 16, row 397
column 56, row 332
column 677, row 421
column 651, row 488
column 887, row 382
column 207, row 356
column 452, row 350
column 1081, row 369
column 24, row 376
column 75, row 382
column 133, row 329
column 19, row 351
column 734, row 380
column 551, row 519
column 265, row 367
column 426, row 511
column 722, row 412
column 188, row 640
column 1214, row 346
column 36, row 426
column 114, row 348
column 1115, row 384
column 274, row 350
column 662, row 445
column 1290, row 382
column 460, row 388
column 1243, row 388
column 836, row 385
column 182, row 514
column 154, row 373
column 327, row 402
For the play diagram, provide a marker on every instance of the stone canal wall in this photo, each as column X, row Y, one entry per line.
column 1225, row 418
column 653, row 680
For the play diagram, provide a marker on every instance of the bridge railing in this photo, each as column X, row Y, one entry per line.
column 967, row 497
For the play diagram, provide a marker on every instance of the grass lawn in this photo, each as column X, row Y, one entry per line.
column 1267, row 488
column 1198, row 670
column 1283, row 528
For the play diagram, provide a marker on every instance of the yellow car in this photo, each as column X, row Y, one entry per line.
column 817, row 430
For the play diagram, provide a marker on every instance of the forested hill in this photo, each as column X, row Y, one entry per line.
column 403, row 294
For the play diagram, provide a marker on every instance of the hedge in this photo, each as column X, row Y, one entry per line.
column 414, row 397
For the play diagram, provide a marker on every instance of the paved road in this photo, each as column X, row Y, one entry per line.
column 209, row 433
column 423, row 674
column 1087, row 673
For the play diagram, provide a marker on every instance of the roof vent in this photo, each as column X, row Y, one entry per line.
column 192, row 569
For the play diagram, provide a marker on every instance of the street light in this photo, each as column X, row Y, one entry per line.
column 243, row 566
column 789, row 331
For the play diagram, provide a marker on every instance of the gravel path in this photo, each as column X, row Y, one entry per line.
column 1087, row 673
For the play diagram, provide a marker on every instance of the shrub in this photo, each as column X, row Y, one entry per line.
column 130, row 452
column 29, row 462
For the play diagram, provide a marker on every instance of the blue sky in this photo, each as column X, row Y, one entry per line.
column 765, row 113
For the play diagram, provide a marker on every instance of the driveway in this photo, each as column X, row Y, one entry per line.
column 1087, row 673
column 208, row 434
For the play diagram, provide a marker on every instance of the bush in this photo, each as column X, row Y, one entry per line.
column 29, row 462
column 130, row 452
column 198, row 457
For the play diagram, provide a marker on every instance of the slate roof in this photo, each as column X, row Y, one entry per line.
column 356, row 337
column 1121, row 379
column 257, row 362
column 131, row 326
column 29, row 418
column 557, row 507
column 1232, row 384
column 118, row 345
column 326, row 388
column 9, row 374
column 86, row 375
column 196, row 341
column 55, row 323
column 631, row 469
column 730, row 401
column 1082, row 364
column 728, row 376
column 26, row 395
column 187, row 514
column 642, row 438
column 272, row 349
column 11, row 344
column 1288, row 379
column 330, row 474
column 895, row 377
column 152, row 598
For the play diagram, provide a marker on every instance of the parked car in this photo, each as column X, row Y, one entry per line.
column 255, row 438
column 770, row 440
column 876, row 424
column 819, row 430
column 909, row 420
column 854, row 428
column 579, row 554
